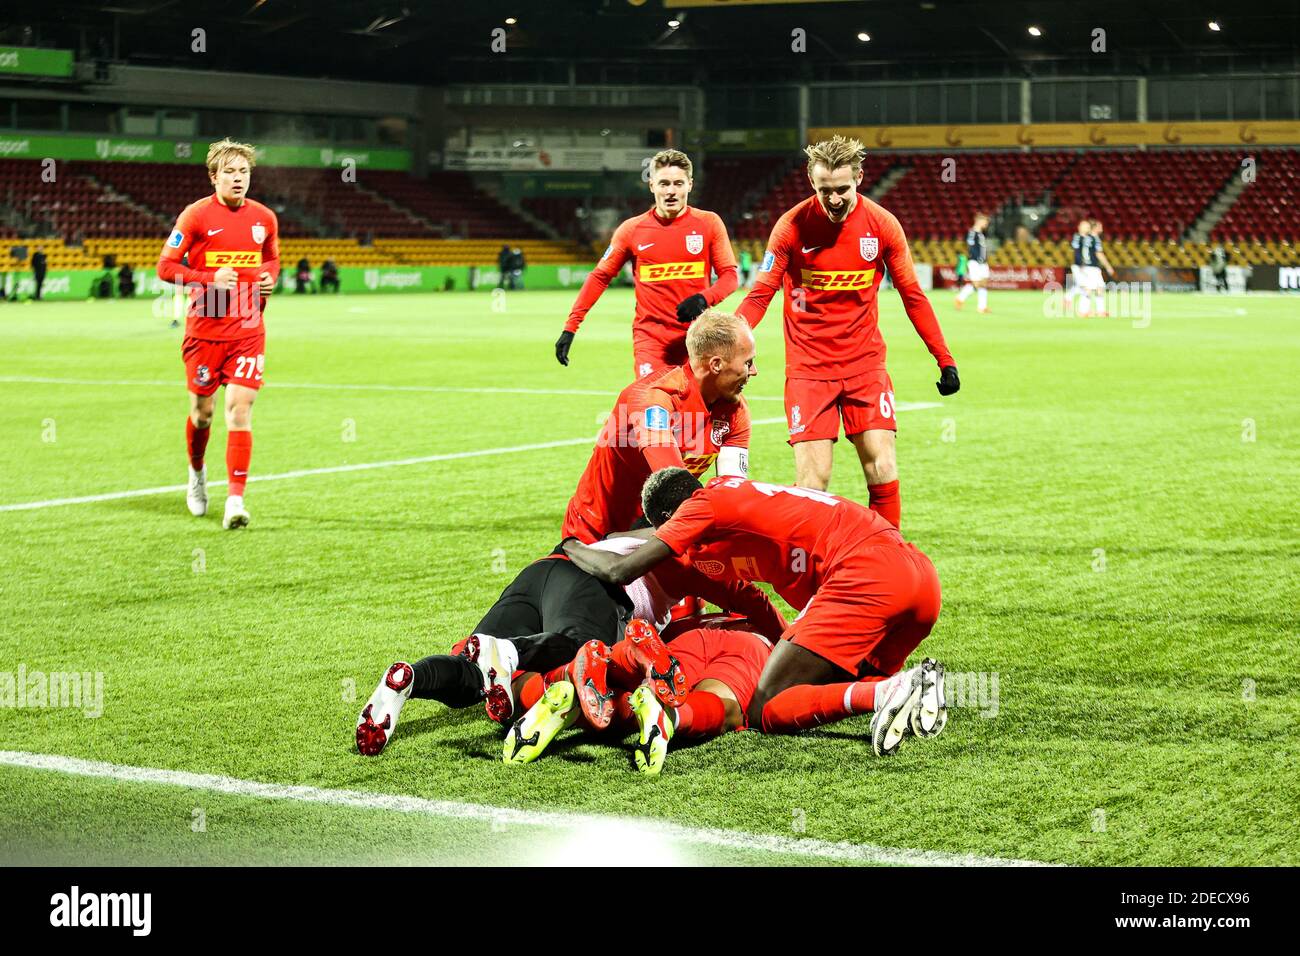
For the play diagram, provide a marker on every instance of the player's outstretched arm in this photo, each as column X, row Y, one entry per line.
column 597, row 282
column 771, row 272
column 898, row 259
column 613, row 568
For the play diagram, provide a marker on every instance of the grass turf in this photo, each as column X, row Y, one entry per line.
column 1111, row 510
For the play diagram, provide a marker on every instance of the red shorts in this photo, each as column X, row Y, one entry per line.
column 210, row 364
column 872, row 610
column 735, row 658
column 650, row 355
column 814, row 407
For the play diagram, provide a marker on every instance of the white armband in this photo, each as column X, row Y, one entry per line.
column 733, row 460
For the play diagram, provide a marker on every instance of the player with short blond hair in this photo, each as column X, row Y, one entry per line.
column 826, row 255
column 673, row 249
column 225, row 249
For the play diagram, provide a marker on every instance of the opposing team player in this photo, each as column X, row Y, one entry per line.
column 826, row 252
column 554, row 615
column 977, row 267
column 673, row 249
column 687, row 416
column 225, row 250
column 1096, row 284
column 868, row 596
column 1085, row 270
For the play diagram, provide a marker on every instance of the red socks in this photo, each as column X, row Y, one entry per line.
column 885, row 502
column 196, row 440
column 702, row 714
column 531, row 692
column 809, row 705
column 239, row 451
column 625, row 670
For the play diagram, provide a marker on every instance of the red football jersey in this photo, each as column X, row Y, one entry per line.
column 831, row 276
column 671, row 261
column 659, row 421
column 753, row 531
column 244, row 237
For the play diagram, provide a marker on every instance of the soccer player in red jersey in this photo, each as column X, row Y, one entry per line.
column 687, row 416
column 719, row 668
column 868, row 596
column 673, row 248
column 232, row 244
column 826, row 252
column 549, row 613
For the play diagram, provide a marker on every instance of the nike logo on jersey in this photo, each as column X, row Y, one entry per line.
column 641, row 248
column 213, row 232
column 808, row 250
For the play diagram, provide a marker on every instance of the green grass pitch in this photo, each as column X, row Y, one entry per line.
column 1112, row 511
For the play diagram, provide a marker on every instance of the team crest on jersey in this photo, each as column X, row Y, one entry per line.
column 869, row 246
column 711, row 568
column 719, row 432
column 259, row 233
column 202, row 375
column 695, row 243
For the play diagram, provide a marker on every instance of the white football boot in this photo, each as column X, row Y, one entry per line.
column 896, row 699
column 497, row 659
column 196, row 495
column 236, row 513
column 931, row 713
column 378, row 719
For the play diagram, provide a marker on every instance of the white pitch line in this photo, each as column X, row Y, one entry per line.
column 499, row 816
column 362, row 466
column 438, row 389
column 330, row 470
column 302, row 473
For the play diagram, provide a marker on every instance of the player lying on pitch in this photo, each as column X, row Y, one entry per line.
column 550, row 613
column 868, row 596
column 719, row 667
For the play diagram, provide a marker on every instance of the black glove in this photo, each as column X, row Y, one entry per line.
column 688, row 310
column 948, row 381
column 562, row 347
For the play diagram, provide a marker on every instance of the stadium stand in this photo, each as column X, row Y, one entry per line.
column 1148, row 200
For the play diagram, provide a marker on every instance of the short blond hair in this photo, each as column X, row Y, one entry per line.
column 714, row 333
column 672, row 157
column 835, row 152
column 219, row 150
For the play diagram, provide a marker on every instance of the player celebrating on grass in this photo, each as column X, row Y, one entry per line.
column 826, row 252
column 977, row 269
column 232, row 244
column 720, row 667
column 868, row 596
column 554, row 622
column 689, row 416
column 673, row 248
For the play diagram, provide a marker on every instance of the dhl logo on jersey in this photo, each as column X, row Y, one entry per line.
column 699, row 464
column 236, row 260
column 663, row 271
column 838, row 280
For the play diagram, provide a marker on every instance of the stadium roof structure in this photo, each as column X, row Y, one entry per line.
column 436, row 41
